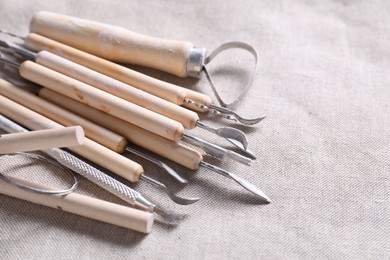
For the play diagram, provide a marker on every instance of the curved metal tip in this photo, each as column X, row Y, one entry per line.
column 249, row 121
column 235, row 136
column 230, row 114
column 244, row 183
column 181, row 200
column 159, row 163
column 170, row 217
column 174, row 197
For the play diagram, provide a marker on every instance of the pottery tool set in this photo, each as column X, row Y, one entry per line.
column 98, row 110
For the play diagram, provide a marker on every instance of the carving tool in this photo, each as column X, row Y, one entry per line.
column 110, row 104
column 187, row 118
column 90, row 150
column 180, row 58
column 170, row 92
column 41, row 139
column 96, row 176
column 84, row 206
column 174, row 151
column 95, row 132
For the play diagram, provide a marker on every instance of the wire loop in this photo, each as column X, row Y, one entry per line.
column 35, row 190
column 221, row 48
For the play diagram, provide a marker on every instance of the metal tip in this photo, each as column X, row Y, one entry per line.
column 159, row 163
column 233, row 135
column 252, row 188
column 238, row 157
column 244, row 183
column 174, row 197
column 170, row 217
column 230, row 114
column 216, row 150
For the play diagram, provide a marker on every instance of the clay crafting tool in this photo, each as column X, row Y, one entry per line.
column 42, row 139
column 174, row 151
column 96, row 176
column 113, row 105
column 90, row 150
column 95, row 132
column 84, row 206
column 170, row 92
column 187, row 118
column 180, row 58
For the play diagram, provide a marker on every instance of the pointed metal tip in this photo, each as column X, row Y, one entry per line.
column 248, row 153
column 252, row 121
column 170, row 217
column 252, row 188
column 159, row 163
column 172, row 196
column 174, row 174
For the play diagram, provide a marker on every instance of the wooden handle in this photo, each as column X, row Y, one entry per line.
column 41, row 140
column 159, row 88
column 176, row 152
column 117, row 88
column 114, row 43
column 101, row 100
column 95, row 132
column 198, row 98
column 84, row 206
column 90, row 150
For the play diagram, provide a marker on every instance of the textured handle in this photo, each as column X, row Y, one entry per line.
column 114, row 43
column 173, row 151
column 95, row 132
column 117, row 88
column 84, row 169
column 41, row 139
column 90, row 150
column 159, row 88
column 101, row 100
column 84, row 206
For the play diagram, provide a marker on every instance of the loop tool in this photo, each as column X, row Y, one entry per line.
column 174, row 151
column 48, row 69
column 90, row 150
column 96, row 176
column 30, row 188
column 180, row 58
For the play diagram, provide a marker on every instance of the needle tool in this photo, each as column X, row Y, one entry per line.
column 96, row 176
column 90, row 150
column 173, row 151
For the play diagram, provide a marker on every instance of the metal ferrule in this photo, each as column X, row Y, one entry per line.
column 195, row 62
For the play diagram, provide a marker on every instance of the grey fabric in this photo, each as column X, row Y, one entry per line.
column 323, row 150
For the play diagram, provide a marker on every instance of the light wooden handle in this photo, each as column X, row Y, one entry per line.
column 176, row 152
column 101, row 100
column 90, row 150
column 117, row 88
column 41, row 139
column 114, row 43
column 159, row 88
column 95, row 132
column 199, row 98
column 84, row 206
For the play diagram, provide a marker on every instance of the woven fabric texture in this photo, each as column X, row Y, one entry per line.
column 323, row 150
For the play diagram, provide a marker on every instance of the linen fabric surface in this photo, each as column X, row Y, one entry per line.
column 322, row 152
